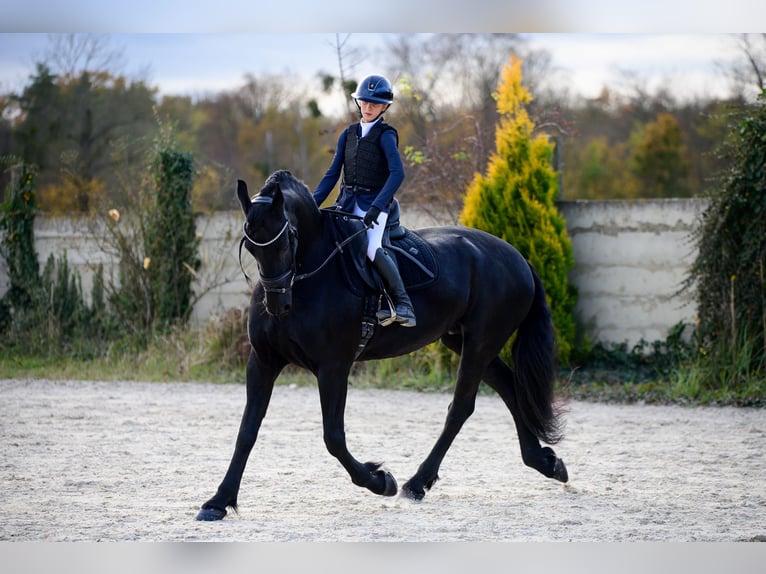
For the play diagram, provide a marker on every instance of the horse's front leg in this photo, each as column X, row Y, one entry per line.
column 461, row 408
column 333, row 388
column 260, row 383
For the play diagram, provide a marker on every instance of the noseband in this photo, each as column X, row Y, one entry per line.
column 281, row 283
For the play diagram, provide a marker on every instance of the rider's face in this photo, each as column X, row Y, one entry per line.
column 371, row 110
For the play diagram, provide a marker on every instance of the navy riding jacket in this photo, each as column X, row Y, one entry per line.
column 380, row 198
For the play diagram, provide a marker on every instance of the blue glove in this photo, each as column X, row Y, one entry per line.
column 371, row 216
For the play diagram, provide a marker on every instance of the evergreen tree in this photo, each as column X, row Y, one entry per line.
column 17, row 238
column 515, row 201
column 172, row 242
column 729, row 271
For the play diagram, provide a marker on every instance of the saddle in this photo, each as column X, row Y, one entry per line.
column 415, row 258
column 417, row 264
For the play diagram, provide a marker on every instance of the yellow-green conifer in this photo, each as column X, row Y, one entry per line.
column 515, row 200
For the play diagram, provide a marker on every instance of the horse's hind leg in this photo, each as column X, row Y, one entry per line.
column 499, row 377
column 461, row 407
column 333, row 389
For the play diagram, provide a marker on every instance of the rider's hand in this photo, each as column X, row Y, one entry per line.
column 371, row 216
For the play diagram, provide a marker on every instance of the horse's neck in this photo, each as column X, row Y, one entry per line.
column 310, row 228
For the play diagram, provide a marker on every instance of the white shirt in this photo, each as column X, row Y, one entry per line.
column 366, row 127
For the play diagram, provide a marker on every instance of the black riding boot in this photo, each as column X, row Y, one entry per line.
column 404, row 313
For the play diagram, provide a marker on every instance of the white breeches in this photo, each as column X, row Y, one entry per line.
column 374, row 233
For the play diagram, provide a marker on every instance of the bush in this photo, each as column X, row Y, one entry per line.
column 515, row 201
column 171, row 241
column 17, row 241
column 728, row 272
column 155, row 247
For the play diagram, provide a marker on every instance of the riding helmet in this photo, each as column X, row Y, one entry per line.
column 375, row 89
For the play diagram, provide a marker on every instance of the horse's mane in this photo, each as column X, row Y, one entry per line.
column 299, row 201
column 292, row 188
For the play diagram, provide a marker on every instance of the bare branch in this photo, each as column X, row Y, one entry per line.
column 72, row 54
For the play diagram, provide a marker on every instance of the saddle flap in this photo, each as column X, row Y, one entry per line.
column 417, row 264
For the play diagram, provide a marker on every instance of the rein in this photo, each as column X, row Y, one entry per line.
column 290, row 273
column 338, row 249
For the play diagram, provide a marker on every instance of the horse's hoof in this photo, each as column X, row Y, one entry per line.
column 560, row 471
column 391, row 487
column 416, row 494
column 210, row 514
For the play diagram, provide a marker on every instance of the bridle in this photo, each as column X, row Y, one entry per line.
column 281, row 283
column 284, row 282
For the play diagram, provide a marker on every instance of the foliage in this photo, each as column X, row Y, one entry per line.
column 43, row 312
column 659, row 158
column 729, row 273
column 155, row 248
column 154, row 242
column 171, row 242
column 73, row 123
column 442, row 169
column 658, row 372
column 666, row 146
column 68, row 126
column 641, row 363
column 515, row 201
column 737, row 375
column 17, row 244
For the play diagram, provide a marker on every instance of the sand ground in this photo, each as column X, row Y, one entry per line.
column 125, row 461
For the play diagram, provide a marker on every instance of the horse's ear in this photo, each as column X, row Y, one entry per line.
column 278, row 199
column 243, row 196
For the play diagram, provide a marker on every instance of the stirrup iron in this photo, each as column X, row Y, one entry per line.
column 386, row 317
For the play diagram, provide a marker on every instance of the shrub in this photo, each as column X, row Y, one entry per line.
column 515, row 201
column 171, row 241
column 728, row 272
column 17, row 241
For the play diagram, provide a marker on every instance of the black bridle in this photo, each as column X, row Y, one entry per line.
column 281, row 283
column 284, row 282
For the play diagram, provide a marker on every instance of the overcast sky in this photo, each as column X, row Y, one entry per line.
column 195, row 64
column 197, row 48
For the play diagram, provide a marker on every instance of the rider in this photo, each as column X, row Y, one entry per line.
column 368, row 154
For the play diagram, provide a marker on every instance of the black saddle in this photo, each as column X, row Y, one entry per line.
column 417, row 264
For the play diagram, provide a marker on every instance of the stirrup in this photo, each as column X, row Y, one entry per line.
column 387, row 316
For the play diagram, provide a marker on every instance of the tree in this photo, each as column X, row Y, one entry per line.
column 74, row 116
column 40, row 112
column 596, row 170
column 729, row 272
column 515, row 201
column 72, row 54
column 749, row 74
column 171, row 240
column 445, row 111
column 659, row 158
column 17, row 240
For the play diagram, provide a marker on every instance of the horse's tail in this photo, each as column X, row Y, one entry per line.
column 535, row 367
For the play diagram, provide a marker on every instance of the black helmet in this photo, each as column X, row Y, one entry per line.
column 374, row 89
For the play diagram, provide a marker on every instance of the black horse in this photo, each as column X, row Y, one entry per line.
column 306, row 311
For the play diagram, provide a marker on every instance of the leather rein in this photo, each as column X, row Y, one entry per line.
column 284, row 282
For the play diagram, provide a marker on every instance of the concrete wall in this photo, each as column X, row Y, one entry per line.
column 630, row 260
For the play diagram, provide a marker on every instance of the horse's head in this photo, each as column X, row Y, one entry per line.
column 271, row 239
